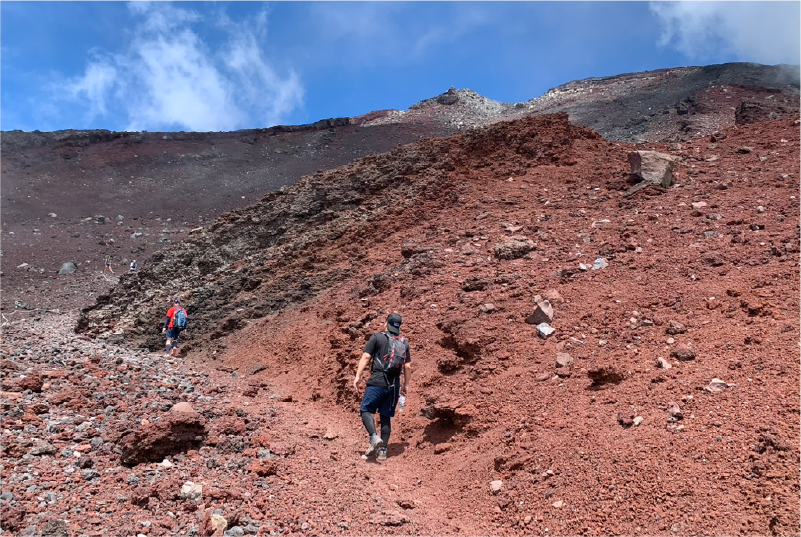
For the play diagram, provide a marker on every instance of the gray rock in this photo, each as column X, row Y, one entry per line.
column 652, row 167
column 44, row 449
column 600, row 263
column 89, row 475
column 7, row 496
column 514, row 248
column 235, row 531
column 55, row 528
column 544, row 330
column 67, row 268
column 683, row 353
column 96, row 442
column 132, row 480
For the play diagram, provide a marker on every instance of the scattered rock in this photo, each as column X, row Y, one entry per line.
column 675, row 327
column 600, row 263
column 33, row 383
column 183, row 406
column 263, row 467
column 55, row 528
column 563, row 359
column 662, row 363
column 514, row 248
column 191, row 491
column 44, row 449
column 544, row 330
column 542, row 314
column 716, row 385
column 674, row 411
column 542, row 377
column 558, row 504
column 67, row 268
column 442, row 448
column 625, row 419
column 638, row 420
column 486, row 308
column 496, row 486
column 683, row 352
column 174, row 433
column 698, row 205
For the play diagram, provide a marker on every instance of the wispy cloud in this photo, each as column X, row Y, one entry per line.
column 393, row 33
column 762, row 32
column 169, row 78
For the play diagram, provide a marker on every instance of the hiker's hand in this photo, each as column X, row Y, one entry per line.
column 356, row 381
column 163, row 330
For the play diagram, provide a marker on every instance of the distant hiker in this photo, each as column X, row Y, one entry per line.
column 174, row 323
column 133, row 265
column 108, row 265
column 389, row 352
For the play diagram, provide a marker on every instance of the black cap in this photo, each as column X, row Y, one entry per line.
column 394, row 322
column 177, row 300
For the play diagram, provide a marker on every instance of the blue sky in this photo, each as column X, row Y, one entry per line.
column 218, row 66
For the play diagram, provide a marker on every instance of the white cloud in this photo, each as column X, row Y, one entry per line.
column 761, row 32
column 168, row 78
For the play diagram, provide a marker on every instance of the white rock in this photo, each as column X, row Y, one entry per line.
column 716, row 385
column 496, row 486
column 191, row 491
column 544, row 330
column 638, row 420
column 698, row 205
column 600, row 263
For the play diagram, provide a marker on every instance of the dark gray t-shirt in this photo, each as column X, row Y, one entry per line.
column 379, row 346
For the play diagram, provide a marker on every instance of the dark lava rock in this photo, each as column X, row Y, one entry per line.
column 683, row 353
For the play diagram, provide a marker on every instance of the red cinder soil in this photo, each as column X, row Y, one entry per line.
column 283, row 296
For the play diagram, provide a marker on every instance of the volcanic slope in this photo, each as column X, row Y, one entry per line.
column 459, row 235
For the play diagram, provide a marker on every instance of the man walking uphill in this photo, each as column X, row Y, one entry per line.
column 174, row 322
column 389, row 352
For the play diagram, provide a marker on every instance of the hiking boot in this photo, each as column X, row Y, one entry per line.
column 375, row 441
column 382, row 455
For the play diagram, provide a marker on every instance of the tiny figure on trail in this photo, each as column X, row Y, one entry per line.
column 389, row 353
column 108, row 265
column 174, row 324
column 133, row 265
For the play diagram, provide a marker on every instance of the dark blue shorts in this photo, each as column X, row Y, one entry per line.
column 383, row 400
column 172, row 333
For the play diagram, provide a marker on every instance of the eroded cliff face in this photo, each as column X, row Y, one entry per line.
column 317, row 233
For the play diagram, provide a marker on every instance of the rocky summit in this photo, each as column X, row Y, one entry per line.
column 598, row 348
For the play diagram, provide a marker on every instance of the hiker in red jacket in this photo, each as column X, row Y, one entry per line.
column 174, row 323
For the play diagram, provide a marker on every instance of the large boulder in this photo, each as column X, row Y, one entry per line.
column 652, row 167
column 174, row 433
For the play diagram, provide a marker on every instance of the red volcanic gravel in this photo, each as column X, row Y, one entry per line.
column 630, row 435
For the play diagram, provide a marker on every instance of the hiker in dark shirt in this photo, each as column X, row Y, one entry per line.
column 389, row 353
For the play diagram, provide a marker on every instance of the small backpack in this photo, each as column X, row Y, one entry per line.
column 392, row 362
column 179, row 320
